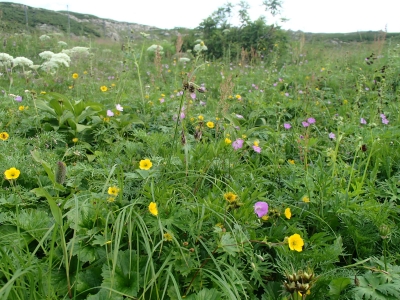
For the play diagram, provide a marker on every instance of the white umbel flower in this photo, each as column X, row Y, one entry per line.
column 22, row 61
column 5, row 60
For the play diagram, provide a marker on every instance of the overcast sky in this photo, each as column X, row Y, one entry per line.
column 305, row 15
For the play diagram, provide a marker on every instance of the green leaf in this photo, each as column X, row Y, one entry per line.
column 55, row 210
column 337, row 285
column 228, row 244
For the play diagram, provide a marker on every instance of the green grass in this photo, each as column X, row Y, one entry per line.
column 73, row 238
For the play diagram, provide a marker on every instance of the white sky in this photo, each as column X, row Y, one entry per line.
column 305, row 15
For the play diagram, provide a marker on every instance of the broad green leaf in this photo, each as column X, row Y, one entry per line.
column 55, row 210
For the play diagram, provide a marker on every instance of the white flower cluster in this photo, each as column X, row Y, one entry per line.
column 44, row 38
column 54, row 60
column 22, row 61
column 77, row 51
column 62, row 44
column 6, row 60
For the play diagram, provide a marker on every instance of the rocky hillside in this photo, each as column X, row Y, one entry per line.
column 17, row 18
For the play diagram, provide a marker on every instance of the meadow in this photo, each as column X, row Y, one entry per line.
column 136, row 173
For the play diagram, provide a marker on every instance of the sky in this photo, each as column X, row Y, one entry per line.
column 305, row 15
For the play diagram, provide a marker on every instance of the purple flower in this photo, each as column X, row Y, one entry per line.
column 287, row 126
column 382, row 116
column 256, row 149
column 275, row 84
column 311, row 120
column 305, row 124
column 182, row 115
column 287, row 94
column 202, row 103
column 18, row 98
column 119, row 107
column 193, row 95
column 385, row 121
column 363, row 121
column 161, row 100
column 261, row 209
column 110, row 113
column 237, row 144
column 332, row 136
column 239, row 116
column 300, row 92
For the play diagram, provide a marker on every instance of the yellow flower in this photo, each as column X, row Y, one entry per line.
column 296, row 242
column 147, row 96
column 256, row 143
column 85, row 72
column 288, row 213
column 244, row 136
column 111, row 199
column 305, row 199
column 12, row 173
column 75, row 140
column 75, row 75
column 238, row 97
column 103, row 88
column 153, row 208
column 201, row 118
column 230, row 197
column 113, row 84
column 228, row 141
column 291, row 161
column 113, row 191
column 145, row 164
column 71, row 87
column 43, row 92
column 4, row 136
column 345, row 101
column 210, row 124
column 106, row 119
column 21, row 108
column 168, row 237
column 265, row 217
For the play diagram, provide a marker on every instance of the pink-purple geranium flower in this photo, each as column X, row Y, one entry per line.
column 261, row 209
column 237, row 144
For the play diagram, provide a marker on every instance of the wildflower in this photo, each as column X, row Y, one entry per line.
column 201, row 118
column 113, row 191
column 311, row 120
column 153, row 208
column 210, row 124
column 288, row 213
column 238, row 97
column 193, row 96
column 145, row 164
column 296, row 242
column 291, row 161
column 4, row 136
column 385, row 121
column 305, row 199
column 287, row 94
column 111, row 199
column 103, row 88
column 75, row 76
column 110, row 113
column 168, row 237
column 345, row 102
column 228, row 141
column 239, row 116
column 12, row 173
column 85, row 72
column 119, row 107
column 75, row 139
column 18, row 98
column 256, row 149
column 230, row 197
column 22, row 108
column 261, row 209
column 363, row 121
column 332, row 136
column 287, row 126
column 106, row 119
column 305, row 124
column 237, row 144
column 43, row 93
